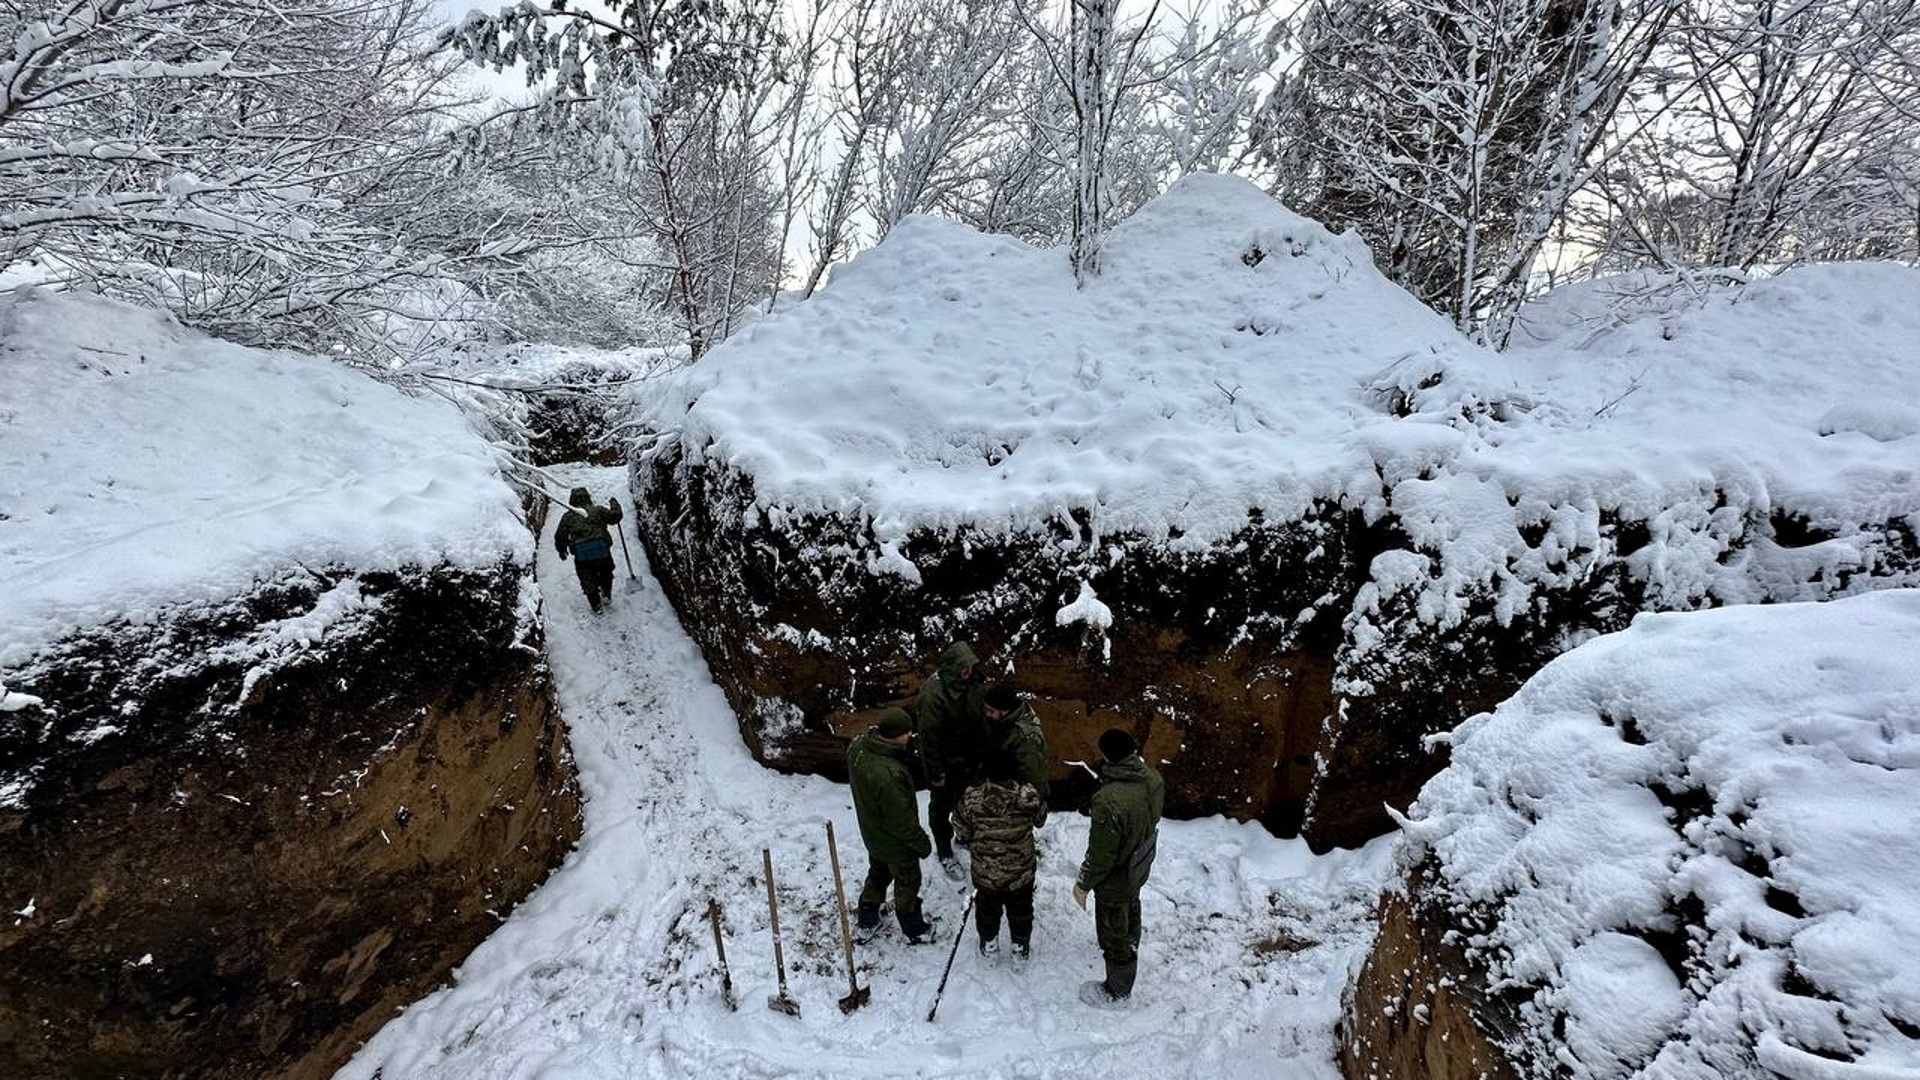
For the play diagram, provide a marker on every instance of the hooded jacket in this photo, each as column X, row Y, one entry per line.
column 582, row 532
column 953, row 716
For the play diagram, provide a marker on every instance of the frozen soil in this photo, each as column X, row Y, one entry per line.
column 608, row 970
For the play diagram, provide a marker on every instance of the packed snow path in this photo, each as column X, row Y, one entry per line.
column 608, row 970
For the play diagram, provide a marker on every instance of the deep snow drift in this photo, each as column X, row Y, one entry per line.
column 1236, row 356
column 608, row 970
column 144, row 465
column 1698, row 842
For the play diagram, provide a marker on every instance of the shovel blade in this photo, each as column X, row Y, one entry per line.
column 855, row 1000
column 781, row 1003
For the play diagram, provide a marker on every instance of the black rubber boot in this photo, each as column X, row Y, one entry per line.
column 1120, row 979
column 867, row 917
column 915, row 925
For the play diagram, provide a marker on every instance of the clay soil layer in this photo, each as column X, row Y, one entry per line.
column 1418, row 1010
column 220, row 875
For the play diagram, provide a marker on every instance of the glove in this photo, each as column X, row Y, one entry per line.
column 613, row 503
column 1080, row 897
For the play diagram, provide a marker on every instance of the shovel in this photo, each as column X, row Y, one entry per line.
column 857, row 995
column 633, row 579
column 720, row 950
column 780, row 1002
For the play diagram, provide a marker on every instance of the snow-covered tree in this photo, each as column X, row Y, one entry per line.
column 1792, row 128
column 251, row 165
column 1454, row 133
column 671, row 100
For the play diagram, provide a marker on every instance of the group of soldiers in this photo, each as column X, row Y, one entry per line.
column 983, row 757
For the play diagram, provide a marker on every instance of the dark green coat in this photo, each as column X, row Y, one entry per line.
column 883, row 800
column 585, row 522
column 953, row 717
column 1126, row 811
column 1021, row 746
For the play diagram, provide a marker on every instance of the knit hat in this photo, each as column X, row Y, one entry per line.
column 894, row 723
column 1003, row 697
column 1116, row 745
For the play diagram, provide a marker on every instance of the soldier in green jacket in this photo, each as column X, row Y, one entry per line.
column 583, row 535
column 996, row 818
column 952, row 709
column 1121, row 845
column 889, row 816
column 1014, row 738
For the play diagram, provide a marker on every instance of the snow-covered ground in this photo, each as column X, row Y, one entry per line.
column 607, row 971
column 1739, row 789
column 144, row 465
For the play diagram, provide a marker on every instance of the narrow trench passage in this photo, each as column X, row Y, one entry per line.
column 608, row 970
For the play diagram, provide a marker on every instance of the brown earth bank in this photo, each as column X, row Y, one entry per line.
column 225, row 858
column 1268, row 672
column 1420, row 1008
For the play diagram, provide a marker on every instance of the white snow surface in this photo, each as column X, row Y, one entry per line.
column 947, row 378
column 1759, row 765
column 144, row 465
column 608, row 969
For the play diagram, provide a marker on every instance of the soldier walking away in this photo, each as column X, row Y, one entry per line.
column 1121, row 845
column 1015, row 742
column 996, row 819
column 889, row 817
column 952, row 709
column 583, row 535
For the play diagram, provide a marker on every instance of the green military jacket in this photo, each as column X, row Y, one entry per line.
column 997, row 822
column 953, row 717
column 883, row 800
column 1022, row 745
column 586, row 522
column 1126, row 815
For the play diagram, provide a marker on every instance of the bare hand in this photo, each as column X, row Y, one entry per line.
column 1080, row 897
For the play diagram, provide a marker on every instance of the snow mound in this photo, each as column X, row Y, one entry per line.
column 1696, row 845
column 947, row 377
column 1235, row 357
column 144, row 465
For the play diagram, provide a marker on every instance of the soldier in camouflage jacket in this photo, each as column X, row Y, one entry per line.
column 996, row 819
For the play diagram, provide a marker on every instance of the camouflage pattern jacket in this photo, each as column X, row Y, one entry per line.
column 996, row 821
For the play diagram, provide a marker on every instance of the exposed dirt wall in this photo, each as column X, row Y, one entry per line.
column 239, row 865
column 1419, row 1010
column 1270, row 673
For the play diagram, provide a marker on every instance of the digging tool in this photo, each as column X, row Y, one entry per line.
column 720, row 950
column 780, row 1002
column 965, row 917
column 857, row 995
column 633, row 579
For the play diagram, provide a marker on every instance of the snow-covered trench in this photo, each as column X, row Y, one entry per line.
column 608, row 970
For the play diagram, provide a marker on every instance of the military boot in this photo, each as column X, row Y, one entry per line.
column 1120, row 979
column 915, row 925
column 867, row 917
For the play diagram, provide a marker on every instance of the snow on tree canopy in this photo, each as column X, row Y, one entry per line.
column 1696, row 845
column 1234, row 356
column 143, row 465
